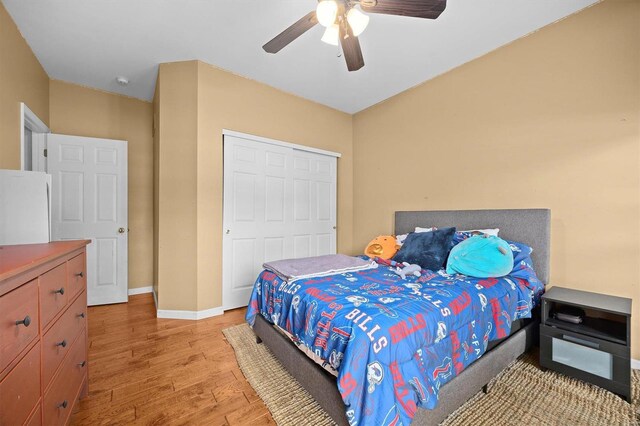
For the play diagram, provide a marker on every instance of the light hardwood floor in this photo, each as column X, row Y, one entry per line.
column 144, row 370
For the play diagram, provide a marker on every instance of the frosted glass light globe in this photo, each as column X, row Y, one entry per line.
column 357, row 20
column 326, row 12
column 331, row 35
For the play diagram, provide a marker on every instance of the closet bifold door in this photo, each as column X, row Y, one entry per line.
column 279, row 203
column 314, row 204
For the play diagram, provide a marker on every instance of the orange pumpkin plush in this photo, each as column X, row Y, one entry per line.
column 383, row 246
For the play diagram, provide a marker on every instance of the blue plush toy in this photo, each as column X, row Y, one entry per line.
column 481, row 256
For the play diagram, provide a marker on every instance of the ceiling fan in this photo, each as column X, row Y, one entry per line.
column 344, row 23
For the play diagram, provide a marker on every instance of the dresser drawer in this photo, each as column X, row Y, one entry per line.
column 76, row 275
column 36, row 418
column 20, row 390
column 53, row 292
column 20, row 321
column 57, row 342
column 59, row 399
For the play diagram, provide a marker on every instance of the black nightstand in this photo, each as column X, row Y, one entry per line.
column 597, row 350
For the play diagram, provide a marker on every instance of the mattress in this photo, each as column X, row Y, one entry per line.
column 392, row 342
column 326, row 365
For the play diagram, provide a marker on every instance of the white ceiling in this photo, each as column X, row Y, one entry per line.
column 90, row 42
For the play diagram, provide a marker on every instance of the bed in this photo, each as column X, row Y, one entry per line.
column 531, row 226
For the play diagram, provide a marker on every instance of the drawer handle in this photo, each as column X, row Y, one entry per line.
column 81, row 315
column 82, row 364
column 63, row 404
column 26, row 321
column 60, row 290
column 63, row 344
column 80, row 274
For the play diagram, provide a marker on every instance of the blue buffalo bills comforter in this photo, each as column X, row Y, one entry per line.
column 395, row 342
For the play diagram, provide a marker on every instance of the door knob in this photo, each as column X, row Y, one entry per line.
column 121, row 230
column 228, row 231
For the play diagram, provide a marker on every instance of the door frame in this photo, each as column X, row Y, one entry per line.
column 31, row 121
column 261, row 139
column 278, row 143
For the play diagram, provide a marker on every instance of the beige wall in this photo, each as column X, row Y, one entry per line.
column 22, row 79
column 225, row 101
column 81, row 111
column 177, row 186
column 551, row 120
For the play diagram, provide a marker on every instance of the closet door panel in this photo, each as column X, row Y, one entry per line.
column 317, row 201
column 279, row 203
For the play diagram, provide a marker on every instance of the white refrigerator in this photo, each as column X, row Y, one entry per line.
column 25, row 207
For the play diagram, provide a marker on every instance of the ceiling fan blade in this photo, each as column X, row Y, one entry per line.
column 429, row 9
column 301, row 26
column 351, row 49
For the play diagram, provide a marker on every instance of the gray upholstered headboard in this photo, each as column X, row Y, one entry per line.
column 529, row 226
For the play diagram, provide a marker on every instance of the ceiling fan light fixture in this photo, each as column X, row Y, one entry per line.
column 326, row 12
column 357, row 20
column 331, row 35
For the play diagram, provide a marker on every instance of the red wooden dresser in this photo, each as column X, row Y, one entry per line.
column 43, row 332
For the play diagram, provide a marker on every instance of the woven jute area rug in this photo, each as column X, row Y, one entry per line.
column 520, row 395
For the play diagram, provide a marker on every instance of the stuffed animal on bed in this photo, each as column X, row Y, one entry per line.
column 481, row 256
column 408, row 270
column 402, row 269
column 383, row 246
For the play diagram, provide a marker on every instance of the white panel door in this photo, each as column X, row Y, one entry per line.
column 89, row 201
column 272, row 210
column 314, row 201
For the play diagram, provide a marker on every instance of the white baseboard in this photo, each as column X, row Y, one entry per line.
column 190, row 315
column 140, row 290
column 184, row 315
column 635, row 364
